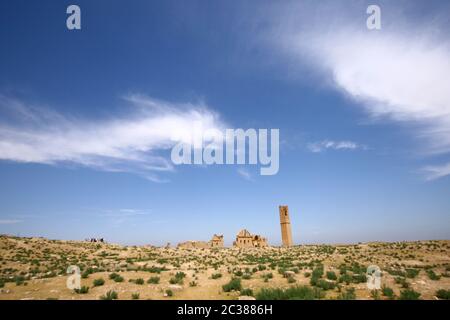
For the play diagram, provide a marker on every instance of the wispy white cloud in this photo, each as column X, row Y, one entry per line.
column 244, row 173
column 321, row 146
column 400, row 73
column 122, row 213
column 436, row 172
column 133, row 143
column 10, row 221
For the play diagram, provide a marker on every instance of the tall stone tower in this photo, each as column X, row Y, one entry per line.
column 286, row 233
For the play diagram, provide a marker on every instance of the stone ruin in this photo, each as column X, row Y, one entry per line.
column 215, row 242
column 245, row 239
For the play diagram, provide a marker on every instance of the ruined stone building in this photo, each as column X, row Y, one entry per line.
column 245, row 239
column 216, row 241
column 193, row 245
column 285, row 222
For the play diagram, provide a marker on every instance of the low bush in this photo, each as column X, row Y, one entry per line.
column 234, row 284
column 247, row 292
column 293, row 293
column 98, row 282
column 82, row 290
column 110, row 295
column 443, row 294
column 409, row 294
column 153, row 280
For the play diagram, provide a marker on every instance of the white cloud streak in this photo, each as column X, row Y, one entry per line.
column 244, row 173
column 10, row 221
column 132, row 143
column 321, row 146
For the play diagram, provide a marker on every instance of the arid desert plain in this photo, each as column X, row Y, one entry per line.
column 36, row 268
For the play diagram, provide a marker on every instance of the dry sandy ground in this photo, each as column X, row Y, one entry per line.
column 35, row 268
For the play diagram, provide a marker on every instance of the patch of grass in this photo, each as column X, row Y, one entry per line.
column 349, row 294
column 234, row 284
column 402, row 281
column 409, row 294
column 331, row 275
column 247, row 292
column 345, row 278
column 432, row 275
column 113, row 275
column 375, row 294
column 153, row 280
column 388, row 292
column 135, row 296
column 291, row 280
column 82, row 290
column 98, row 282
column 110, row 295
column 178, row 278
column 293, row 293
column 139, row 281
column 169, row 293
column 443, row 294
column 325, row 285
column 216, row 276
column 412, row 273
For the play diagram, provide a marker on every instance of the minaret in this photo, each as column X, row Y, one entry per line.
column 285, row 222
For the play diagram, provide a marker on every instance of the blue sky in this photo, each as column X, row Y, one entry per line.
column 364, row 119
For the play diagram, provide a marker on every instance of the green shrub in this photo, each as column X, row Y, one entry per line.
column 432, row 275
column 247, row 276
column 402, row 282
column 345, row 278
column 110, row 295
column 291, row 280
column 412, row 273
column 331, row 275
column 216, row 276
column 118, row 279
column 178, row 278
column 359, row 278
column 317, row 272
column 139, row 281
column 325, row 285
column 98, row 282
column 375, row 294
column 261, row 267
column 349, row 294
column 247, row 292
column 193, row 284
column 135, row 296
column 113, row 275
column 153, row 280
column 388, row 292
column 409, row 294
column 169, row 293
column 82, row 290
column 234, row 284
column 443, row 294
column 293, row 293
